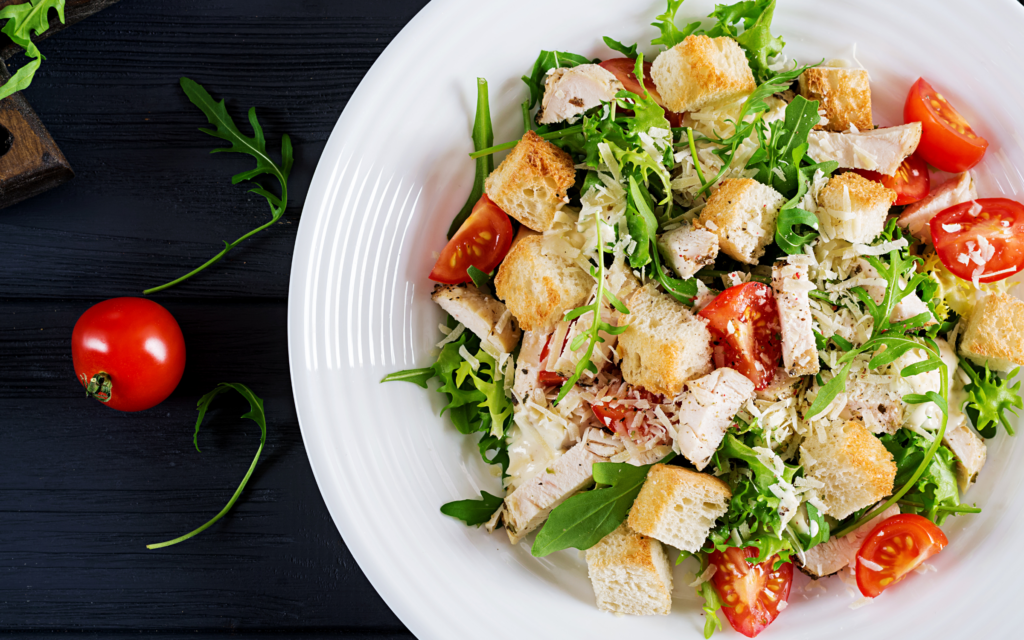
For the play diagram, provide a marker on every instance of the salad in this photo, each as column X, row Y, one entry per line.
column 707, row 304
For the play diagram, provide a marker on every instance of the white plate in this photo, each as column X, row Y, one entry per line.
column 392, row 176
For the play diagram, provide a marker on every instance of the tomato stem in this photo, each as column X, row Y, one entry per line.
column 100, row 386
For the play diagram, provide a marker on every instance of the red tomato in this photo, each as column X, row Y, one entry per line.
column 610, row 415
column 898, row 545
column 750, row 593
column 947, row 140
column 752, row 344
column 995, row 236
column 623, row 69
column 549, row 378
column 911, row 182
column 482, row 241
column 128, row 353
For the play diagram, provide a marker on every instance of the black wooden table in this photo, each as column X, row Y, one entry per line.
column 83, row 488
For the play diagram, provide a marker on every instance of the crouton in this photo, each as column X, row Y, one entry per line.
column 854, row 208
column 528, row 506
column 537, row 288
column 678, row 506
column 837, row 553
column 855, row 467
column 742, row 213
column 702, row 72
column 799, row 350
column 570, row 92
column 531, row 183
column 995, row 333
column 481, row 314
column 664, row 345
column 881, row 150
column 687, row 250
column 915, row 217
column 970, row 452
column 706, row 411
column 631, row 574
column 844, row 95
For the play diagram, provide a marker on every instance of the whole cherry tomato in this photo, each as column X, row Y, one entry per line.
column 128, row 353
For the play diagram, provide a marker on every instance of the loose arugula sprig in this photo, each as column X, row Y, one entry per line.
column 473, row 512
column 483, row 137
column 255, row 414
column 990, row 398
column 888, row 342
column 256, row 146
column 24, row 21
column 585, row 518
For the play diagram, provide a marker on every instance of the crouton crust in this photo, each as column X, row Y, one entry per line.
column 660, row 498
column 735, row 203
column 864, row 193
column 664, row 344
column 538, row 289
column 995, row 332
column 531, row 183
column 854, row 465
column 630, row 573
column 702, row 72
column 844, row 94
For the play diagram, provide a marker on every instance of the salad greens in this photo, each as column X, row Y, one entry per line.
column 256, row 414
column 255, row 146
column 25, row 20
column 935, row 494
column 473, row 512
column 483, row 137
column 990, row 398
column 585, row 518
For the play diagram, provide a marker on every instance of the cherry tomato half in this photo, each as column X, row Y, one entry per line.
column 128, row 353
column 911, row 182
column 744, row 323
column 947, row 140
column 623, row 69
column 750, row 593
column 550, row 378
column 482, row 241
column 894, row 548
column 988, row 233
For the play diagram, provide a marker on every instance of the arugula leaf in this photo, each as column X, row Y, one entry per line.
column 990, row 398
column 585, row 518
column 473, row 512
column 256, row 146
column 785, row 231
column 480, row 279
column 483, row 137
column 936, row 490
column 415, row 376
column 666, row 23
column 642, row 225
column 546, row 61
column 615, row 45
column 255, row 414
column 682, row 290
column 25, row 20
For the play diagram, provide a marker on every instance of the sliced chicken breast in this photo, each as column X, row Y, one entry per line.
column 481, row 313
column 570, row 92
column 799, row 350
column 880, row 150
column 706, row 411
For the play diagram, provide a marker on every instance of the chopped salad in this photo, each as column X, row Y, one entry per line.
column 707, row 304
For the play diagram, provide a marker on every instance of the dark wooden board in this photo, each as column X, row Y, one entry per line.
column 84, row 488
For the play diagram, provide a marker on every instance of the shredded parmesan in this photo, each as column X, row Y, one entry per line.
column 452, row 336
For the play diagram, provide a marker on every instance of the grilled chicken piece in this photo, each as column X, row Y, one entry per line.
column 970, row 452
column 881, row 150
column 799, row 351
column 570, row 92
column 835, row 553
column 480, row 313
column 706, row 411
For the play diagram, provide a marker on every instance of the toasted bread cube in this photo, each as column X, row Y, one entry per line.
column 855, row 467
column 995, row 333
column 481, row 314
column 844, row 95
column 836, row 553
column 854, row 208
column 631, row 574
column 742, row 213
column 881, row 150
column 664, row 344
column 799, row 350
column 539, row 288
column 917, row 216
column 569, row 92
column 531, row 182
column 702, row 72
column 678, row 506
column 528, row 506
column 688, row 250
column 706, row 410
